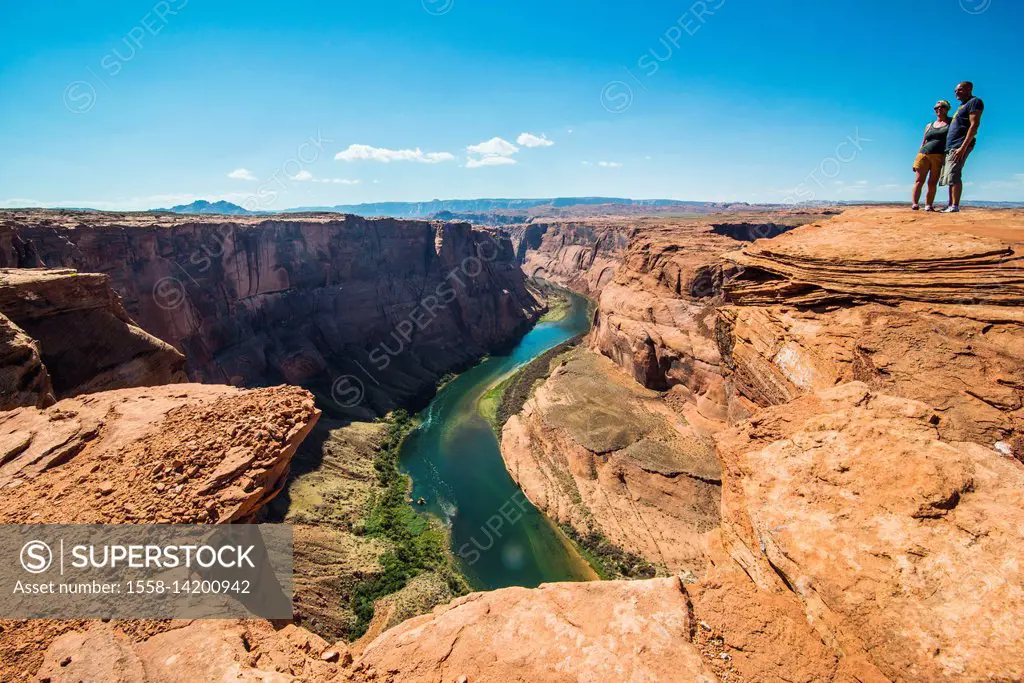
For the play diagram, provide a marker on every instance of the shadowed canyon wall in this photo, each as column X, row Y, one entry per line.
column 369, row 312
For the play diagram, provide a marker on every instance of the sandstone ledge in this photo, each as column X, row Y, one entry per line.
column 82, row 335
column 184, row 453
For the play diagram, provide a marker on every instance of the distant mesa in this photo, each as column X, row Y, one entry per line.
column 204, row 207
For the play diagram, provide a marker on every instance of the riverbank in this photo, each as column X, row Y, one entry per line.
column 506, row 397
column 499, row 538
column 358, row 543
column 625, row 475
column 368, row 554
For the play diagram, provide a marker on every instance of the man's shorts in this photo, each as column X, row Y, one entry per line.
column 952, row 172
column 932, row 163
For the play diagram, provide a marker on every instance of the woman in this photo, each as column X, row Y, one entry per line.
column 928, row 164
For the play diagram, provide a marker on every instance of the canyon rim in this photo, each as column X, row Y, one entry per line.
column 796, row 457
column 442, row 341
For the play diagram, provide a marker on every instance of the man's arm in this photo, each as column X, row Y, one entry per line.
column 972, row 131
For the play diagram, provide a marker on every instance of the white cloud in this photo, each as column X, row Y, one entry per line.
column 493, row 147
column 242, row 174
column 531, row 140
column 306, row 176
column 609, row 164
column 383, row 155
column 491, row 160
column 494, row 152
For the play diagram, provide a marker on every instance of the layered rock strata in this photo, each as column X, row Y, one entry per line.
column 80, row 337
column 366, row 312
column 932, row 317
column 606, row 457
column 975, row 259
column 582, row 256
column 655, row 280
column 24, row 380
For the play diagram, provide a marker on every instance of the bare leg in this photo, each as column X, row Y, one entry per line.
column 956, row 190
column 933, row 186
column 919, row 185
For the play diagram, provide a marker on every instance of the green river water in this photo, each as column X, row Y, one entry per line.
column 498, row 537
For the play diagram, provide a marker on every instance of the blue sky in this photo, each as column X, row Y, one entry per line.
column 138, row 104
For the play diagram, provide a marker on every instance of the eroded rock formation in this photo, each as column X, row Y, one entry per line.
column 375, row 309
column 595, row 451
column 24, row 380
column 903, row 548
column 186, row 453
column 582, row 256
column 654, row 280
column 182, row 453
column 934, row 316
column 75, row 337
column 601, row 631
column 204, row 650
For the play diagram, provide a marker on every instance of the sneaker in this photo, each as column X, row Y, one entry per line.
column 952, row 209
column 929, row 208
column 915, row 207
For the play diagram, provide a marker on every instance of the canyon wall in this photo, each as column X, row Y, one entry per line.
column 628, row 467
column 656, row 281
column 370, row 312
column 68, row 334
column 582, row 256
column 863, row 398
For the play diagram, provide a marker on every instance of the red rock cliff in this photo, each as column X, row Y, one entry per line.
column 375, row 309
column 66, row 333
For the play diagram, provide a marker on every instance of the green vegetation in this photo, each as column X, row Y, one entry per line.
column 491, row 400
column 559, row 305
column 419, row 544
column 607, row 559
column 445, row 379
column 507, row 397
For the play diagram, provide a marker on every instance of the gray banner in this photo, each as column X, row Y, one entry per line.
column 145, row 571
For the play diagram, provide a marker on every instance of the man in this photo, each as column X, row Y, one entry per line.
column 963, row 133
